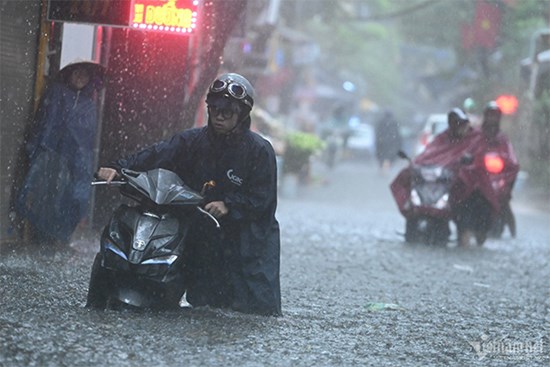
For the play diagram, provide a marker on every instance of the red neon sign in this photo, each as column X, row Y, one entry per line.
column 177, row 16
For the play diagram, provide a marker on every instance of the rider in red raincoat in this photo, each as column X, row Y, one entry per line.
column 501, row 165
column 471, row 193
column 446, row 150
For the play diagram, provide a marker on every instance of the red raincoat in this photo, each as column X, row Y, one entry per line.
column 501, row 182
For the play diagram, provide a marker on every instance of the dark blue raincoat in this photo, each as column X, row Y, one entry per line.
column 55, row 194
column 241, row 269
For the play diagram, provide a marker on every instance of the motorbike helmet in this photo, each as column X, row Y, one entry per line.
column 233, row 86
column 458, row 123
column 457, row 117
column 493, row 109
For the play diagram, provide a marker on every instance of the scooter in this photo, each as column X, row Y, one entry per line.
column 425, row 202
column 141, row 258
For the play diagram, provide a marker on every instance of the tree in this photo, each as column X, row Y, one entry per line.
column 365, row 50
column 497, row 68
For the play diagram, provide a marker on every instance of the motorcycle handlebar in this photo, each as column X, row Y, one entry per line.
column 121, row 182
column 210, row 216
column 104, row 182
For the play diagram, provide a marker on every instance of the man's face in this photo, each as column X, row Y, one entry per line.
column 223, row 120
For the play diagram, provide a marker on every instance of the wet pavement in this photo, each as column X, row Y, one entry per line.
column 353, row 294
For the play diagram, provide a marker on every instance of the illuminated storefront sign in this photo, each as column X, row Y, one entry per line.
column 178, row 16
column 173, row 15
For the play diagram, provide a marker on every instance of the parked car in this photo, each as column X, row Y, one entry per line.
column 435, row 125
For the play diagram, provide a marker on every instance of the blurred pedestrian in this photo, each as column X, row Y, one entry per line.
column 388, row 140
column 332, row 141
column 54, row 195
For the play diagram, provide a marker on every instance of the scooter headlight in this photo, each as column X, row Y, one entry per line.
column 161, row 260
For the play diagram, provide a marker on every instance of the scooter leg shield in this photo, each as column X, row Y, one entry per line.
column 98, row 289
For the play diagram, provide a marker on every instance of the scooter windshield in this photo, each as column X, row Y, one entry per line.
column 162, row 186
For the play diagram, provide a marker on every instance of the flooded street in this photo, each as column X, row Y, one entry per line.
column 353, row 294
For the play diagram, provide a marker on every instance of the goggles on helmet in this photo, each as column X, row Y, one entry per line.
column 234, row 89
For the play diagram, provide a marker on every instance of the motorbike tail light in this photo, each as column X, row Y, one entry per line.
column 493, row 163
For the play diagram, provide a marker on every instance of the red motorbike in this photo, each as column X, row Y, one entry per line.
column 422, row 195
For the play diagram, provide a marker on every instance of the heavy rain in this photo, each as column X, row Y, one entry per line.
column 409, row 235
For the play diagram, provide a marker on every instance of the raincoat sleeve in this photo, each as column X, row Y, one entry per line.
column 261, row 191
column 161, row 155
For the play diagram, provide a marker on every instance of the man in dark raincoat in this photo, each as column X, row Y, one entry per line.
column 240, row 270
column 55, row 193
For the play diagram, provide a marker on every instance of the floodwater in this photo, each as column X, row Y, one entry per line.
column 343, row 259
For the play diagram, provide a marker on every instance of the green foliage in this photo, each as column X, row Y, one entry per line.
column 440, row 24
column 366, row 50
column 304, row 142
column 362, row 38
column 437, row 25
column 299, row 148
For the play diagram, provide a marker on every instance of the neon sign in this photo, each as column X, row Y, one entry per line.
column 177, row 16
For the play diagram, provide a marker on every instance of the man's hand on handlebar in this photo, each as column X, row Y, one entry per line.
column 216, row 208
column 107, row 174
